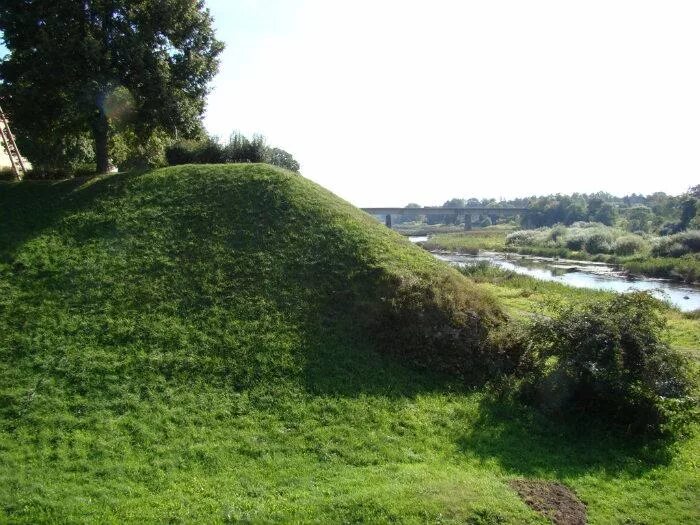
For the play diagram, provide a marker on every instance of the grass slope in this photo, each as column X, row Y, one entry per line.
column 188, row 345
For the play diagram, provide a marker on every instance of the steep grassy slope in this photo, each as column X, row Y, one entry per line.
column 234, row 343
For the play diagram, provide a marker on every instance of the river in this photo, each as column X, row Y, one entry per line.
column 582, row 274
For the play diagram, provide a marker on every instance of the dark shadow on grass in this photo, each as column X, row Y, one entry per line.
column 527, row 443
column 345, row 362
column 27, row 208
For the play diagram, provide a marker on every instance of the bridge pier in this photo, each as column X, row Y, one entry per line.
column 387, row 221
column 468, row 222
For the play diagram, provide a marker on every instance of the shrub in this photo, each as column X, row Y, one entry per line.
column 7, row 174
column 678, row 244
column 610, row 358
column 629, row 244
column 599, row 241
column 207, row 151
column 521, row 238
column 575, row 241
column 240, row 149
column 181, row 152
column 692, row 240
column 557, row 233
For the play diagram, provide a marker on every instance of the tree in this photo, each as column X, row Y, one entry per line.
column 689, row 207
column 601, row 211
column 87, row 66
column 282, row 158
column 639, row 218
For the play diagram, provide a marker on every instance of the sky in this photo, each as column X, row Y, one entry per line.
column 388, row 102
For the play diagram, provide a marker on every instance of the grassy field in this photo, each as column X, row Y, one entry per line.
column 185, row 345
column 492, row 239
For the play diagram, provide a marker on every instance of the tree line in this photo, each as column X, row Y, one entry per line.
column 656, row 213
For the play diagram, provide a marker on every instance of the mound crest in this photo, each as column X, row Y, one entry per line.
column 214, row 271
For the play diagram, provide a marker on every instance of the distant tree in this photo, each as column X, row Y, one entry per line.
column 639, row 218
column 455, row 203
column 81, row 67
column 240, row 149
column 281, row 158
column 451, row 218
column 689, row 207
column 601, row 211
column 695, row 191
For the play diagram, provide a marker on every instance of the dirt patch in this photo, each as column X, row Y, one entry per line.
column 554, row 500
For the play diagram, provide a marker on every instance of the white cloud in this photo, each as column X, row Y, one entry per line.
column 386, row 102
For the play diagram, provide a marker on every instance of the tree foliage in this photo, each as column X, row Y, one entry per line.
column 100, row 66
column 238, row 149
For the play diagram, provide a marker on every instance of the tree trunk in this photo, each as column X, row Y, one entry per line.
column 100, row 133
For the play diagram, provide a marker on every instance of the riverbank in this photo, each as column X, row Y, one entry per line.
column 682, row 269
column 522, row 295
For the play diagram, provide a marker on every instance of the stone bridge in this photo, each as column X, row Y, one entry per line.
column 467, row 213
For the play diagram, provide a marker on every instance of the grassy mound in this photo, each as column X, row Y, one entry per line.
column 234, row 343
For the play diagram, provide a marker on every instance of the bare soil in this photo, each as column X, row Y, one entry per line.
column 553, row 500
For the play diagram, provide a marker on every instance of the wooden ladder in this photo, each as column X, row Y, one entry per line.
column 8, row 142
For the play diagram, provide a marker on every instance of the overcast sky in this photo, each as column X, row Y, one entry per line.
column 387, row 102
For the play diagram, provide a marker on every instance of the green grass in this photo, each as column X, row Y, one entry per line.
column 492, row 239
column 187, row 345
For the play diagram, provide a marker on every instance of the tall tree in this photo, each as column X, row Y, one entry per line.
column 79, row 66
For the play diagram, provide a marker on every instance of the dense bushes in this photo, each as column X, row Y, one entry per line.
column 677, row 245
column 599, row 242
column 629, row 244
column 238, row 149
column 206, row 151
column 593, row 238
column 608, row 359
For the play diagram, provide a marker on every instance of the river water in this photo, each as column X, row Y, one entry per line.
column 582, row 274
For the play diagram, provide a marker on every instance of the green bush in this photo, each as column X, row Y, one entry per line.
column 678, row 244
column 181, row 152
column 599, row 241
column 239, row 149
column 610, row 359
column 576, row 242
column 207, row 151
column 521, row 238
column 629, row 244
